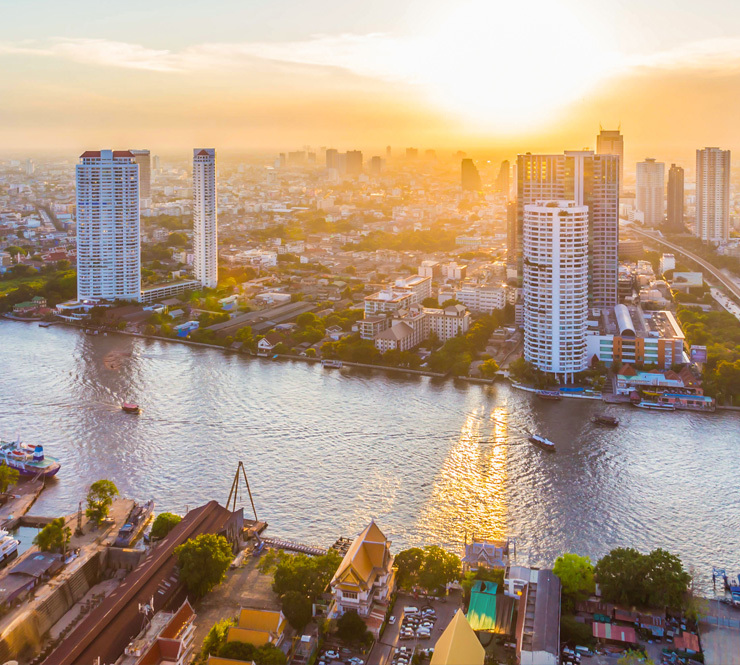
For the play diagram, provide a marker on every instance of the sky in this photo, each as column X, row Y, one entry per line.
column 477, row 75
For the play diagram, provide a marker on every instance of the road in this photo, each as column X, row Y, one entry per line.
column 733, row 288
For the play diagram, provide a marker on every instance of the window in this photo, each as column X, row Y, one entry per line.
column 349, row 594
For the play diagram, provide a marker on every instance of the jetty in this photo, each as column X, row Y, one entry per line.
column 293, row 546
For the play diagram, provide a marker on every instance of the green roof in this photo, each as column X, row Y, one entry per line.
column 482, row 609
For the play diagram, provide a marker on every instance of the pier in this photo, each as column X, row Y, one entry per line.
column 292, row 546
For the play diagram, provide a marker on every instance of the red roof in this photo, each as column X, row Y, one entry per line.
column 204, row 153
column 608, row 631
column 687, row 642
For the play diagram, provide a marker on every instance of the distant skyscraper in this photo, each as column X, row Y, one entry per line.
column 331, row 158
column 502, row 179
column 205, row 217
column 412, row 153
column 651, row 191
column 143, row 159
column 470, row 177
column 590, row 180
column 376, row 165
column 156, row 162
column 611, row 142
column 713, row 195
column 387, row 152
column 556, row 286
column 354, row 162
column 675, row 200
column 108, row 243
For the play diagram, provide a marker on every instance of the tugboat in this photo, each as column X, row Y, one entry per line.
column 28, row 460
column 542, row 442
column 549, row 394
column 135, row 522
column 602, row 419
column 130, row 407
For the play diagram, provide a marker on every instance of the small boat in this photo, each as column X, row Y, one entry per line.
column 129, row 407
column 602, row 419
column 542, row 442
column 45, row 324
column 135, row 522
column 27, row 459
column 654, row 406
column 336, row 364
column 549, row 394
column 8, row 547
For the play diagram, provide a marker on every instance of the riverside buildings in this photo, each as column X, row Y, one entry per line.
column 108, row 239
column 650, row 190
column 675, row 200
column 205, row 217
column 556, row 287
column 713, row 195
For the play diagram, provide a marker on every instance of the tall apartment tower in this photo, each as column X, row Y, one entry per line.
column 144, row 160
column 651, row 191
column 611, row 142
column 205, row 217
column 556, row 286
column 108, row 241
column 675, row 200
column 331, row 158
column 713, row 195
column 589, row 180
column 502, row 179
column 470, row 178
column 354, row 162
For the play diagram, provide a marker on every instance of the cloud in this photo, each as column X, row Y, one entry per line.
column 711, row 55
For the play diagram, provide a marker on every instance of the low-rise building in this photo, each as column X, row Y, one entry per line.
column 399, row 337
column 167, row 639
column 447, row 323
column 538, row 621
column 259, row 627
column 371, row 326
column 387, row 301
column 418, row 286
column 160, row 292
column 482, row 299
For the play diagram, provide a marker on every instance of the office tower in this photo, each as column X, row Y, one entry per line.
column 556, row 286
column 205, row 217
column 143, row 159
column 590, row 180
column 611, row 142
column 354, row 162
column 675, row 200
column 331, row 158
column 156, row 162
column 297, row 157
column 108, row 243
column 29, row 167
column 430, row 154
column 713, row 195
column 387, row 152
column 376, row 165
column 470, row 177
column 650, row 191
column 502, row 179
column 412, row 153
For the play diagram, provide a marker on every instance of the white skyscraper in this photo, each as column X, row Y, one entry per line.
column 651, row 191
column 713, row 195
column 108, row 243
column 205, row 217
column 556, row 286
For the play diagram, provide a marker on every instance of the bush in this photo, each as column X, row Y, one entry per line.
column 163, row 524
column 216, row 638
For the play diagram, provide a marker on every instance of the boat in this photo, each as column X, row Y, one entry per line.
column 135, row 522
column 337, row 364
column 8, row 547
column 542, row 442
column 549, row 394
column 130, row 407
column 654, row 406
column 603, row 419
column 28, row 460
column 45, row 324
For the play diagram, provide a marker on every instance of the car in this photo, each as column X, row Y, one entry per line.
column 356, row 661
column 331, row 654
column 392, row 619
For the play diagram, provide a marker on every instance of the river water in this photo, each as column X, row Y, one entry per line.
column 326, row 450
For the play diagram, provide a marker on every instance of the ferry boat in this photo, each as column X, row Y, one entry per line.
column 654, row 406
column 337, row 364
column 130, row 407
column 549, row 394
column 602, row 419
column 8, row 547
column 542, row 442
column 28, row 460
column 135, row 522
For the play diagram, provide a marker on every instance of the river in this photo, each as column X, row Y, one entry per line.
column 325, row 450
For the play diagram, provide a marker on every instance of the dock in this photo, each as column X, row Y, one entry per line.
column 292, row 546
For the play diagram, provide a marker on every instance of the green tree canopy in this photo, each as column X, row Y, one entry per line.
column 409, row 564
column 352, row 629
column 308, row 575
column 8, row 476
column 576, row 574
column 267, row 654
column 430, row 302
column 432, row 567
column 488, row 368
column 54, row 537
column 99, row 500
column 297, row 609
column 203, row 562
column 216, row 638
column 163, row 524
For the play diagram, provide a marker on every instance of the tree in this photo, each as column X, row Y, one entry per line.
column 450, row 303
column 306, row 320
column 576, row 574
column 631, row 657
column 430, row 302
column 488, row 368
column 575, row 632
column 297, row 609
column 99, row 500
column 8, row 476
column 352, row 629
column 163, row 524
column 440, row 567
column 307, row 575
column 55, row 536
column 310, row 353
column 666, row 581
column 203, row 562
column 409, row 564
column 267, row 654
column 216, row 638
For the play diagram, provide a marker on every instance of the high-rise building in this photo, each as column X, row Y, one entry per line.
column 387, row 152
column 611, row 142
column 108, row 242
column 144, row 160
column 376, row 165
column 556, row 286
column 354, row 162
column 713, row 195
column 502, row 179
column 470, row 177
column 589, row 180
column 412, row 153
column 156, row 162
column 651, row 191
column 675, row 200
column 331, row 158
column 205, row 217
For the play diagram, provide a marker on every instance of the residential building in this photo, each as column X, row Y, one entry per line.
column 371, row 326
column 331, row 159
column 144, row 160
column 482, row 299
column 258, row 627
column 675, row 200
column 589, row 180
column 651, row 191
column 354, row 162
column 399, row 337
column 387, row 301
column 667, row 262
column 431, row 269
column 447, row 323
column 159, row 292
column 503, row 186
column 556, row 287
column 366, row 576
column 205, row 217
column 611, row 142
column 454, row 271
column 470, row 179
column 418, row 286
column 712, row 195
column 458, row 644
column 167, row 639
column 376, row 165
column 108, row 234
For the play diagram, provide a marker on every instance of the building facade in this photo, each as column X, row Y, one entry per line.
column 144, row 160
column 482, row 299
column 713, row 195
column 650, row 191
column 675, row 200
column 447, row 323
column 205, row 217
column 556, row 287
column 611, row 142
column 470, row 179
column 108, row 234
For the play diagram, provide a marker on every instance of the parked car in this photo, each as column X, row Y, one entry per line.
column 392, row 619
column 331, row 655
